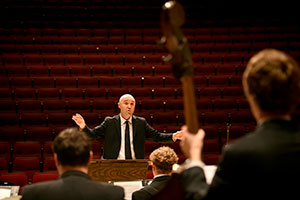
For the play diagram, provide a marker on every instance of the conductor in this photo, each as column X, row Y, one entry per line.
column 125, row 134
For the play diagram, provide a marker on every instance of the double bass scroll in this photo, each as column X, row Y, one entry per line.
column 180, row 58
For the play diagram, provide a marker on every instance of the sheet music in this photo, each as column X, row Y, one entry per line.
column 132, row 186
column 129, row 187
column 4, row 192
column 13, row 198
column 8, row 192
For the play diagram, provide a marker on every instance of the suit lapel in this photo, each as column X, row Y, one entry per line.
column 118, row 127
column 134, row 132
column 133, row 126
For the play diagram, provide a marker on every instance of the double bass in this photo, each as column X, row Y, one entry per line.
column 180, row 58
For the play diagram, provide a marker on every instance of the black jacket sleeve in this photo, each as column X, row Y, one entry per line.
column 157, row 136
column 98, row 131
column 194, row 183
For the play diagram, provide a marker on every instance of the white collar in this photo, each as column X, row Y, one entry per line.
column 159, row 175
column 124, row 120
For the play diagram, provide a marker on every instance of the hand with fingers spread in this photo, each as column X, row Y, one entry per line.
column 79, row 121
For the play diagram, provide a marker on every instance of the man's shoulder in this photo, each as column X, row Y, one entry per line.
column 89, row 185
column 109, row 189
column 106, row 185
column 111, row 118
column 144, row 193
column 248, row 144
column 137, row 118
column 40, row 186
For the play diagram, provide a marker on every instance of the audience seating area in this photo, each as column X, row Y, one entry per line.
column 84, row 57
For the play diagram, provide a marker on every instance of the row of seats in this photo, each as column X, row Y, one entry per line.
column 115, row 16
column 160, row 120
column 114, row 93
column 198, row 58
column 45, row 134
column 21, row 178
column 71, row 104
column 81, row 49
column 29, row 165
column 33, row 156
column 117, row 82
column 114, row 70
column 118, row 40
column 204, row 31
column 35, row 148
column 91, row 49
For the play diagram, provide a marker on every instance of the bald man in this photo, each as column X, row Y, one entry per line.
column 125, row 134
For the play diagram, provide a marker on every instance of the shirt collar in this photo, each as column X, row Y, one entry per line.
column 124, row 120
column 74, row 173
column 160, row 175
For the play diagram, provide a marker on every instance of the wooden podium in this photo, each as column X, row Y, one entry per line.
column 118, row 170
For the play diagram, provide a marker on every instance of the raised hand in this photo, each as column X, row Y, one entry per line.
column 192, row 144
column 178, row 135
column 79, row 120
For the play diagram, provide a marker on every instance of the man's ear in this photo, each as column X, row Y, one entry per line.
column 91, row 157
column 153, row 166
column 56, row 160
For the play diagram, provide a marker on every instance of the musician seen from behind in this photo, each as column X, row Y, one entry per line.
column 162, row 160
column 72, row 155
column 264, row 164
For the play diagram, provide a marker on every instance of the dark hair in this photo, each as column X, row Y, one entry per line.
column 164, row 158
column 72, row 147
column 273, row 79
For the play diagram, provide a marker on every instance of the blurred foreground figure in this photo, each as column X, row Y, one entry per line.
column 162, row 160
column 72, row 154
column 264, row 164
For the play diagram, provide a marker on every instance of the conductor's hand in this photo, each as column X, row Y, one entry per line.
column 79, row 120
column 178, row 135
column 192, row 144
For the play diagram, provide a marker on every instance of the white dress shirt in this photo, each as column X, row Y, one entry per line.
column 122, row 147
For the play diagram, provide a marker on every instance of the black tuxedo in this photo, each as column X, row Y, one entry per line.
column 110, row 129
column 263, row 165
column 73, row 185
column 148, row 191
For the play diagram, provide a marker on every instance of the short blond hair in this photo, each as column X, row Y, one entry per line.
column 164, row 158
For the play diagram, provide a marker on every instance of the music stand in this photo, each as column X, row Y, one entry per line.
column 118, row 170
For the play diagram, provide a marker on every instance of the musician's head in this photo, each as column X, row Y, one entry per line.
column 271, row 83
column 72, row 150
column 163, row 160
column 126, row 105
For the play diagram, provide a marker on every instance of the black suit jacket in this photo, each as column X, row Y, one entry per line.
column 148, row 191
column 110, row 129
column 73, row 185
column 263, row 165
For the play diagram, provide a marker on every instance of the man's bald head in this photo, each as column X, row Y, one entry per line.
column 126, row 96
column 126, row 105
